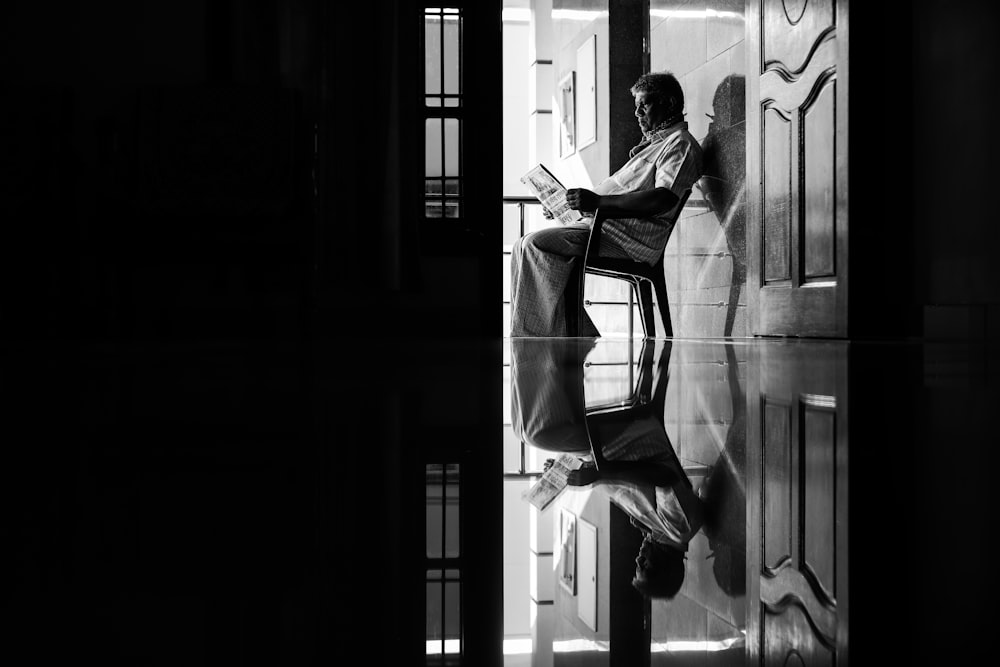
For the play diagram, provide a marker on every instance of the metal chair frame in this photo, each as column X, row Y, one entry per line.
column 642, row 277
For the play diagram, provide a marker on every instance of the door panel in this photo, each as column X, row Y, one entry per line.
column 818, row 119
column 777, row 495
column 797, row 514
column 777, row 195
column 797, row 167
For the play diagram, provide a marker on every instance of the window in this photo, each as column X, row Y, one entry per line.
column 444, row 565
column 443, row 111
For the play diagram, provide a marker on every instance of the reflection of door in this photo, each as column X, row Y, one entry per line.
column 587, row 573
column 797, row 489
column 797, row 167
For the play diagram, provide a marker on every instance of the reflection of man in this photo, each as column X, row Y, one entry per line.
column 646, row 192
column 658, row 497
column 639, row 470
column 636, row 465
column 547, row 400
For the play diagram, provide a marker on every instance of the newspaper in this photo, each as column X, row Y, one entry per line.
column 552, row 482
column 551, row 193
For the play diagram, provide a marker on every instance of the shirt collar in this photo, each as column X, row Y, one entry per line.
column 658, row 133
column 663, row 130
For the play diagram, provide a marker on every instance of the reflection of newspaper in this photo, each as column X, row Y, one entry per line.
column 551, row 193
column 552, row 482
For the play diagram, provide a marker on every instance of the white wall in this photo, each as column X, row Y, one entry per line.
column 515, row 106
column 516, row 604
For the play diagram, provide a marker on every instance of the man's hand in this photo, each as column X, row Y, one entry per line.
column 580, row 199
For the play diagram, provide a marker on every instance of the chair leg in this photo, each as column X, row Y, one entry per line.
column 573, row 300
column 660, row 283
column 647, row 373
column 646, row 308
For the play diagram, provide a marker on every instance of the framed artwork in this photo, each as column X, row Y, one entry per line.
column 567, row 117
column 586, row 599
column 586, row 93
column 567, row 557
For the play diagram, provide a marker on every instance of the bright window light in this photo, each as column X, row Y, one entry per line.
column 693, row 14
column 451, row 646
column 683, row 646
column 579, row 646
column 520, row 646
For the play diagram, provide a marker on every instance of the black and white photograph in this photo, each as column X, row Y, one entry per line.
column 269, row 399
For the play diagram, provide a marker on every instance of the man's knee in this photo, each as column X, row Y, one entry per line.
column 564, row 241
column 529, row 244
column 516, row 249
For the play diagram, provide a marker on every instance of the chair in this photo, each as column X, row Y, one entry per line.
column 646, row 403
column 641, row 276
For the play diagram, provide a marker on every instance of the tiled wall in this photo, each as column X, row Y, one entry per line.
column 702, row 43
column 705, row 420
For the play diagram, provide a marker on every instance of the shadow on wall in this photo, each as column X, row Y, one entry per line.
column 724, row 181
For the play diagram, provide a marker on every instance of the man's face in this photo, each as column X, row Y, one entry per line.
column 650, row 110
column 645, row 561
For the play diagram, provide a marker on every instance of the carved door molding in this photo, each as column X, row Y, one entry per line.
column 797, row 167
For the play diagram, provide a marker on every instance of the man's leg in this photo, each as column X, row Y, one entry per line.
column 542, row 266
column 544, row 281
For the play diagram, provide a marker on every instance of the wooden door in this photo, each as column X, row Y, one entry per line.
column 797, row 167
column 797, row 513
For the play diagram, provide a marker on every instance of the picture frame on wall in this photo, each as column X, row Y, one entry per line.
column 567, row 115
column 567, row 556
column 586, row 93
column 586, row 574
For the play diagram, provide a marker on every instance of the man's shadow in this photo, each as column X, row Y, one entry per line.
column 724, row 180
column 724, row 495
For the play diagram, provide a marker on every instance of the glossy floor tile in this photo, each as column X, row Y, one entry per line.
column 783, row 485
column 253, row 502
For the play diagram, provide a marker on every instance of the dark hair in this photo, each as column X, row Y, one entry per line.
column 664, row 579
column 663, row 85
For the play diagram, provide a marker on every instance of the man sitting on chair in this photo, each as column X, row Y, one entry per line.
column 645, row 195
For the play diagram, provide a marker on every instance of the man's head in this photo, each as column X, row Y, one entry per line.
column 659, row 570
column 658, row 97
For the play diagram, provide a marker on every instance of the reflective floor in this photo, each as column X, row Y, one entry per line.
column 749, row 501
column 291, row 503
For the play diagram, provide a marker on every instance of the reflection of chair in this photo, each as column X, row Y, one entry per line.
column 641, row 276
column 607, row 424
column 640, row 391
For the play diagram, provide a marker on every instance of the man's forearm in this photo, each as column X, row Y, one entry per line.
column 643, row 203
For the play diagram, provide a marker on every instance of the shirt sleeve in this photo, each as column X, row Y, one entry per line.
column 678, row 167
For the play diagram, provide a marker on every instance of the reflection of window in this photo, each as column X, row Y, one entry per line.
column 442, row 510
column 443, row 110
column 444, row 565
column 444, row 613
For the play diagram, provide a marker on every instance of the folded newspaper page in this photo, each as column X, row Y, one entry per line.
column 552, row 482
column 551, row 193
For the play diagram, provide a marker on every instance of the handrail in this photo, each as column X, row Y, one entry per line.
column 521, row 201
